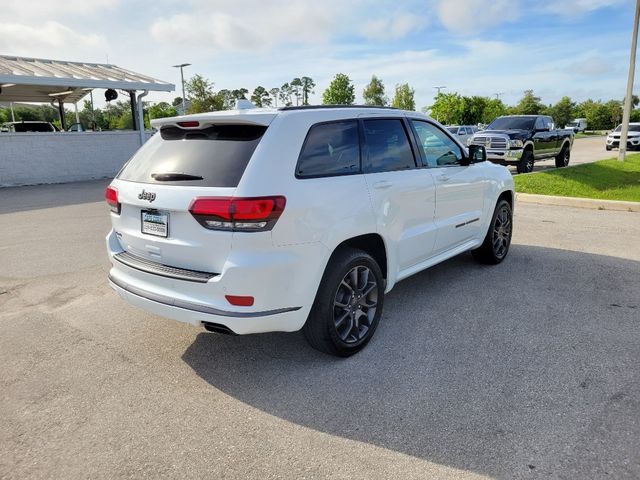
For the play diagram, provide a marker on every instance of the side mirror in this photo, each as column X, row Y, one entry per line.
column 477, row 154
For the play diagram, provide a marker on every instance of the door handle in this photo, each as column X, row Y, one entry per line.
column 444, row 178
column 382, row 185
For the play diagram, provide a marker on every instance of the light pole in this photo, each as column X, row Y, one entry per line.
column 498, row 95
column 629, row 98
column 181, row 67
column 438, row 88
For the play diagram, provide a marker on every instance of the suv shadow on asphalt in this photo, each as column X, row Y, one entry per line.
column 526, row 367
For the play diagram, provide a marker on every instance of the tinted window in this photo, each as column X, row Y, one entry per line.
column 512, row 123
column 438, row 148
column 33, row 127
column 330, row 149
column 387, row 146
column 539, row 123
column 219, row 154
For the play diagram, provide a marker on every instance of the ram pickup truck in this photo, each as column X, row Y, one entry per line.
column 521, row 140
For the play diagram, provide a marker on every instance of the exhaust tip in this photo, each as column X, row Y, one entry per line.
column 217, row 328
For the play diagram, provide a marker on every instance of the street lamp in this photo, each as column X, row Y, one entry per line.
column 629, row 97
column 181, row 67
column 440, row 88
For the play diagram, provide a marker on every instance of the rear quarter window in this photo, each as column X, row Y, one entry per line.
column 330, row 149
column 217, row 153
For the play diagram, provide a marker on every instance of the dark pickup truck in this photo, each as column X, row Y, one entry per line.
column 521, row 140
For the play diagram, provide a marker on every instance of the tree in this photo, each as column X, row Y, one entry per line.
column 274, row 92
column 529, row 104
column 200, row 92
column 162, row 110
column 224, row 100
column 177, row 101
column 493, row 109
column 296, row 89
column 562, row 112
column 307, row 88
column 260, row 97
column 447, row 108
column 373, row 93
column 239, row 93
column 285, row 95
column 340, row 91
column 403, row 98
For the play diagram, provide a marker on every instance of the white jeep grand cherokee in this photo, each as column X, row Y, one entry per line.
column 258, row 220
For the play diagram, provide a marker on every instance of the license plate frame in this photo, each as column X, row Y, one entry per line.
column 154, row 222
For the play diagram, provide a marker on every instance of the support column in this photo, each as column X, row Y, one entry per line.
column 134, row 110
column 63, row 121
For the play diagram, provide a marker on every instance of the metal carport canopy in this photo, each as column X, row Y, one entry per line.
column 24, row 79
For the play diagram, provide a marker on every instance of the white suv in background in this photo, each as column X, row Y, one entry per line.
column 258, row 220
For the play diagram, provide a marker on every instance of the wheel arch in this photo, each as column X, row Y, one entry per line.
column 371, row 243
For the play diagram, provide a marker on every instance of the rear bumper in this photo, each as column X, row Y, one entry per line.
column 282, row 281
column 284, row 319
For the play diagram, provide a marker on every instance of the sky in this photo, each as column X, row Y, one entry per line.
column 578, row 48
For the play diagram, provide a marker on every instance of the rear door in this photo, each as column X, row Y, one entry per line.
column 544, row 144
column 402, row 193
column 159, row 184
column 459, row 189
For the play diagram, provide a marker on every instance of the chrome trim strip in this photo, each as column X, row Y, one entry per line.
column 156, row 268
column 173, row 302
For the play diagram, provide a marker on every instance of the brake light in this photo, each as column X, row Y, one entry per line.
column 189, row 124
column 111, row 196
column 238, row 214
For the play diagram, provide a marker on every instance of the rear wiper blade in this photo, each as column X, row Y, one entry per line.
column 174, row 176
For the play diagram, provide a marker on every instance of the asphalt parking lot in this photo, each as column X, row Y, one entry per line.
column 524, row 370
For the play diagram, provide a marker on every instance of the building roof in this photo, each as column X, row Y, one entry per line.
column 25, row 79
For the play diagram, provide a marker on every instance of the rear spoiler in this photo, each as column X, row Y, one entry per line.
column 219, row 118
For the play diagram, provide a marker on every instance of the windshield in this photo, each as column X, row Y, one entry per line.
column 632, row 128
column 512, row 123
column 452, row 129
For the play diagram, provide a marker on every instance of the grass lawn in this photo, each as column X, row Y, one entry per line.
column 591, row 133
column 606, row 179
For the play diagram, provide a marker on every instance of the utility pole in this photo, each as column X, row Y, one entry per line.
column 628, row 100
column 181, row 67
column 498, row 95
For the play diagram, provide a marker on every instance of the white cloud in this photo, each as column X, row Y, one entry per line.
column 576, row 8
column 50, row 40
column 397, row 26
column 53, row 9
column 473, row 16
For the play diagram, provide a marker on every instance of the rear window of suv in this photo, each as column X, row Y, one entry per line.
column 214, row 156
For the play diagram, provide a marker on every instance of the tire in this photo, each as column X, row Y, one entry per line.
column 608, row 148
column 525, row 165
column 348, row 305
column 495, row 246
column 562, row 159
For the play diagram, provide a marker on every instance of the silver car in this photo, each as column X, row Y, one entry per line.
column 462, row 132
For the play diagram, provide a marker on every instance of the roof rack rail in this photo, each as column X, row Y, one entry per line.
column 317, row 107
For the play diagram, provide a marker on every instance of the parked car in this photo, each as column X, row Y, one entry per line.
column 250, row 221
column 633, row 137
column 28, row 126
column 462, row 132
column 578, row 125
column 521, row 140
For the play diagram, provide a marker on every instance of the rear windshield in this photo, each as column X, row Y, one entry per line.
column 215, row 156
column 33, row 127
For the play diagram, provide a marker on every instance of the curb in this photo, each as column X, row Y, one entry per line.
column 579, row 202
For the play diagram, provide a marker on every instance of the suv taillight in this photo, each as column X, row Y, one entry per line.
column 111, row 196
column 256, row 214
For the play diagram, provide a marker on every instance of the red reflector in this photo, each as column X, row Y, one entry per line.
column 111, row 196
column 239, row 301
column 189, row 124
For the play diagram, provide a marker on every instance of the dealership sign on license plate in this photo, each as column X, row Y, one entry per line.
column 155, row 223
